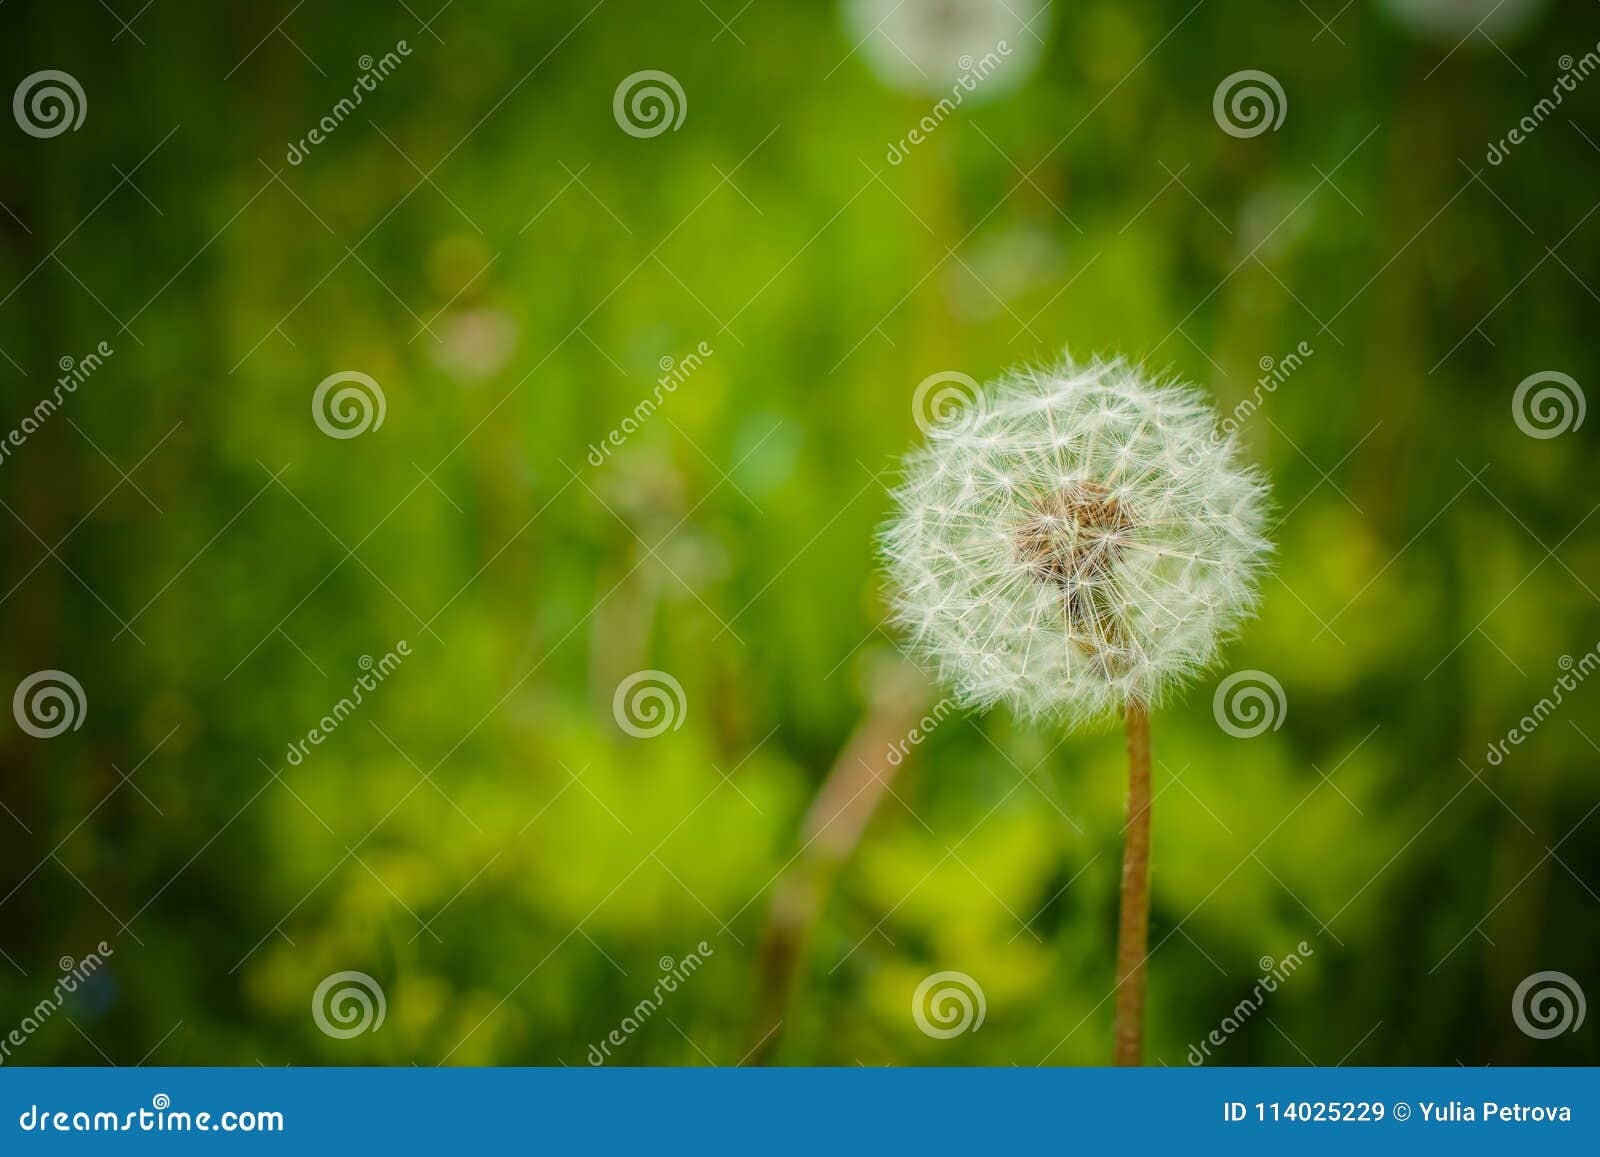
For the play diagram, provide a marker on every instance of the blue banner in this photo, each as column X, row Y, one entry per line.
column 714, row 1111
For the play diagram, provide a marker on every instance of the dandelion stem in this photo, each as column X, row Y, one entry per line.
column 1133, row 932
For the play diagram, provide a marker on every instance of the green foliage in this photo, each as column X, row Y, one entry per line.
column 480, row 836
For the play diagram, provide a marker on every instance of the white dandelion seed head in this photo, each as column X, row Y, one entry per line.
column 1079, row 537
column 925, row 46
column 1456, row 21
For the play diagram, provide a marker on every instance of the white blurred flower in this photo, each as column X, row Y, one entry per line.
column 475, row 343
column 1000, row 266
column 1451, row 21
column 1078, row 538
column 926, row 46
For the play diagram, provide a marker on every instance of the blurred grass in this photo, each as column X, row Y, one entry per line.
column 519, row 865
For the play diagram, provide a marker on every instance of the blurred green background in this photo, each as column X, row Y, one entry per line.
column 483, row 239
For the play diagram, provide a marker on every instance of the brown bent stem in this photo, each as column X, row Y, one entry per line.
column 1133, row 931
column 833, row 828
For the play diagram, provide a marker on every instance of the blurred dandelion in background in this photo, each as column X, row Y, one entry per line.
column 926, row 46
column 475, row 344
column 1454, row 21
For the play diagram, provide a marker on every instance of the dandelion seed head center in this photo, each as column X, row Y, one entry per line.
column 1073, row 537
